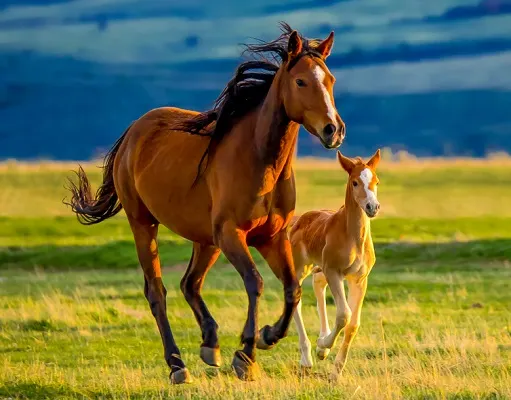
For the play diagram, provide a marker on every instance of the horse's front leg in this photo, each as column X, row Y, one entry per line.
column 343, row 311
column 277, row 252
column 357, row 291
column 232, row 241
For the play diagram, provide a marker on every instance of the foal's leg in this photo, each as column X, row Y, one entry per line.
column 147, row 249
column 277, row 252
column 343, row 312
column 319, row 284
column 232, row 242
column 357, row 291
column 203, row 258
column 305, row 344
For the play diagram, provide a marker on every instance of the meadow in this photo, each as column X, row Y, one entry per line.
column 436, row 323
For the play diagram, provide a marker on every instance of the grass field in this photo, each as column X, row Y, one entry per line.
column 436, row 322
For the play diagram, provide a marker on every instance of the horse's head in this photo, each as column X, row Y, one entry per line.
column 363, row 181
column 307, row 90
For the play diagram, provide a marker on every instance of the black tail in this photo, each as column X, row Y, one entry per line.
column 93, row 210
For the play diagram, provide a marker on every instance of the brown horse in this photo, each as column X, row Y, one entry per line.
column 244, row 196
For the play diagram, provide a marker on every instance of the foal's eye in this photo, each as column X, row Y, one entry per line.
column 300, row 83
column 355, row 183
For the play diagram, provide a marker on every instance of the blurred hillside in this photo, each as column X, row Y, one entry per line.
column 429, row 77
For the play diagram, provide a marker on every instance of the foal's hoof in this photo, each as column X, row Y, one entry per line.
column 245, row 368
column 211, row 356
column 180, row 376
column 322, row 353
column 261, row 343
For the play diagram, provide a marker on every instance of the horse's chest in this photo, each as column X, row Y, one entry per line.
column 356, row 268
column 360, row 265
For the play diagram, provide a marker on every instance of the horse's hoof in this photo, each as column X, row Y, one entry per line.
column 306, row 365
column 211, row 356
column 261, row 343
column 245, row 368
column 180, row 376
column 306, row 361
column 322, row 353
column 333, row 377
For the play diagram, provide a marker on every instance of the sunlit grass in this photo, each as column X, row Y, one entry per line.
column 91, row 334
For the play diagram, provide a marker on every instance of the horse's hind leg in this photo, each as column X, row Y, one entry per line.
column 145, row 232
column 203, row 258
column 305, row 345
column 319, row 284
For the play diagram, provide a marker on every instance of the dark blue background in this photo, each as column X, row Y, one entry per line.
column 430, row 77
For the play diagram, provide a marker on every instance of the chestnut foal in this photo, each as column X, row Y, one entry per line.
column 334, row 246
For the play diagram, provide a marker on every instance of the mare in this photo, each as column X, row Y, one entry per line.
column 222, row 179
column 333, row 246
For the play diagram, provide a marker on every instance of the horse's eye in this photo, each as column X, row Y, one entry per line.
column 355, row 183
column 300, row 83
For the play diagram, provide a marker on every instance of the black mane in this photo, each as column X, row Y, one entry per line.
column 248, row 88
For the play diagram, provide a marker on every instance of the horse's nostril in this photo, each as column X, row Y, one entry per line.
column 329, row 130
column 368, row 207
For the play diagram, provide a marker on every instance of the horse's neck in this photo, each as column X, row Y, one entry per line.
column 275, row 134
column 357, row 222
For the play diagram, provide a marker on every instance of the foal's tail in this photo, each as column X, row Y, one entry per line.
column 91, row 209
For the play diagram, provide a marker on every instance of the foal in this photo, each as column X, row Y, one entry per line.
column 334, row 246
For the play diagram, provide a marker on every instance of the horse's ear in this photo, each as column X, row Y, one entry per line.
column 375, row 159
column 345, row 162
column 325, row 47
column 294, row 45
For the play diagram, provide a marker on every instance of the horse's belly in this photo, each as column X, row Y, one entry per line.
column 185, row 212
column 189, row 222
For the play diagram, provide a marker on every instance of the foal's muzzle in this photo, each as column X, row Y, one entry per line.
column 372, row 209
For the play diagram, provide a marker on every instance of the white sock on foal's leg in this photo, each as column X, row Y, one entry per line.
column 319, row 283
column 305, row 344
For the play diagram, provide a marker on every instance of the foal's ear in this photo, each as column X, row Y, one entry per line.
column 325, row 47
column 375, row 159
column 345, row 162
column 294, row 45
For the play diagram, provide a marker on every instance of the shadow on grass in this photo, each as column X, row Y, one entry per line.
column 121, row 254
column 25, row 390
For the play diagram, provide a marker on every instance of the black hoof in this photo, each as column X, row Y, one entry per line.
column 261, row 343
column 180, row 376
column 245, row 368
column 211, row 356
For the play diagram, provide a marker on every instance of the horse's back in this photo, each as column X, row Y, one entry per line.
column 157, row 166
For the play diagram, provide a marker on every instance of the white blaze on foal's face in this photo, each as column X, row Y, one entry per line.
column 366, row 196
column 363, row 181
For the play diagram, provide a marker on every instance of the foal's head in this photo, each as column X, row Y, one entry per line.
column 306, row 86
column 363, row 181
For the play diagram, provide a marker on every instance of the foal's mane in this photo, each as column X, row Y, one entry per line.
column 248, row 88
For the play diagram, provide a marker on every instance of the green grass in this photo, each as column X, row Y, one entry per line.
column 436, row 322
column 90, row 334
column 62, row 243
